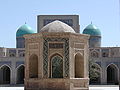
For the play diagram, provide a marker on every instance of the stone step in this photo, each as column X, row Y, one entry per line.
column 81, row 89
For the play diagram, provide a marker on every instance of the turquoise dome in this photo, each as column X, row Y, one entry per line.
column 92, row 30
column 24, row 29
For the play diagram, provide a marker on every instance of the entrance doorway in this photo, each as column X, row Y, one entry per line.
column 5, row 75
column 112, row 74
column 57, row 66
column 20, row 75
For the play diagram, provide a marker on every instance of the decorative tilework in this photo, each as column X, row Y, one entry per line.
column 5, row 63
column 67, row 21
column 45, row 58
column 19, row 63
column 66, row 55
column 12, row 52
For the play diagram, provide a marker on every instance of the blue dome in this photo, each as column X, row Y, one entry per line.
column 24, row 29
column 92, row 30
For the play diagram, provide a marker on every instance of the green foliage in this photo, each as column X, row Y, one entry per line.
column 94, row 70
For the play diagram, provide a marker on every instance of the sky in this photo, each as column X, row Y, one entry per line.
column 103, row 13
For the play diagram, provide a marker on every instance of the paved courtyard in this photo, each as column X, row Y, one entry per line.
column 91, row 88
column 104, row 87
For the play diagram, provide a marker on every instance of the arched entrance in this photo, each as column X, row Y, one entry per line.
column 20, row 75
column 57, row 67
column 112, row 74
column 33, row 66
column 5, row 75
column 79, row 66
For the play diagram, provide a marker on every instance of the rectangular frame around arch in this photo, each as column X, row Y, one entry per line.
column 45, row 55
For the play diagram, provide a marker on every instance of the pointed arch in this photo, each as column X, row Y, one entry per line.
column 56, row 66
column 33, row 66
column 5, row 72
column 79, row 66
column 20, row 74
column 112, row 74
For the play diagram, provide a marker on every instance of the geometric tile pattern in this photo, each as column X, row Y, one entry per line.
column 66, row 55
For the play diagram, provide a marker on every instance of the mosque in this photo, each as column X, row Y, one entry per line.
column 58, row 36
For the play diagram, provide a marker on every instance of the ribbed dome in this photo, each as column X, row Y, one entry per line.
column 57, row 26
column 92, row 30
column 24, row 29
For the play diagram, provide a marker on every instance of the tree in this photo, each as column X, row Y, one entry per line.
column 94, row 72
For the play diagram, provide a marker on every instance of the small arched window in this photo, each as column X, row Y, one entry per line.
column 22, row 54
column 12, row 54
column 104, row 54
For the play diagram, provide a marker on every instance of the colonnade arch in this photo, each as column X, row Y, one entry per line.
column 5, row 72
column 20, row 74
column 79, row 66
column 112, row 74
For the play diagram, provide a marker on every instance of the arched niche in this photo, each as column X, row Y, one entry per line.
column 5, row 74
column 33, row 66
column 12, row 54
column 94, row 54
column 79, row 66
column 20, row 74
column 56, row 64
column 21, row 54
column 112, row 74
